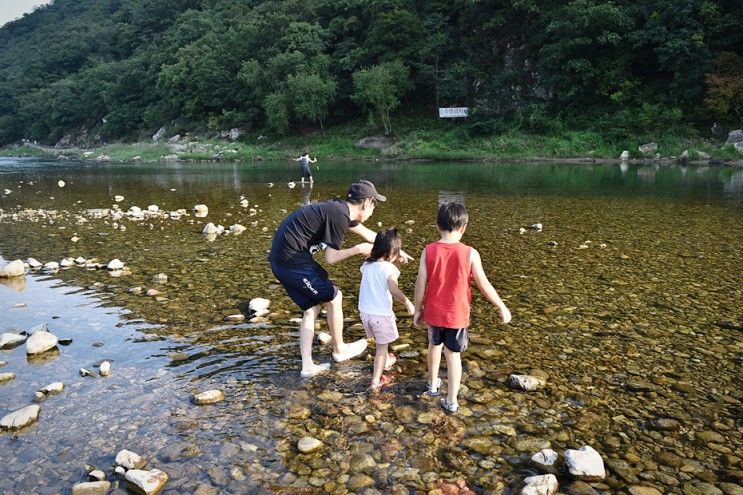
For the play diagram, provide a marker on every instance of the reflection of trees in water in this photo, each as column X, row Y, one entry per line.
column 451, row 197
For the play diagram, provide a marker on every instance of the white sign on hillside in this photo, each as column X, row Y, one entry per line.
column 453, row 112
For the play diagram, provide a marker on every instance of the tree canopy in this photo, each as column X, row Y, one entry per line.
column 119, row 69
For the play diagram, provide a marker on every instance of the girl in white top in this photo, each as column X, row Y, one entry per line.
column 378, row 288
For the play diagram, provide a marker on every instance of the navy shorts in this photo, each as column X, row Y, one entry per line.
column 305, row 171
column 307, row 286
column 454, row 339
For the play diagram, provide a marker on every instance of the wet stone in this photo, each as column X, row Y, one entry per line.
column 580, row 488
column 91, row 488
column 643, row 490
column 665, row 424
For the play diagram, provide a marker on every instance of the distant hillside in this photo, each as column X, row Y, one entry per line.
column 119, row 69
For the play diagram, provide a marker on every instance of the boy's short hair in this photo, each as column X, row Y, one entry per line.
column 452, row 216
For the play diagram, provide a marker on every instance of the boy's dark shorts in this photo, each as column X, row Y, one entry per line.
column 307, row 286
column 454, row 339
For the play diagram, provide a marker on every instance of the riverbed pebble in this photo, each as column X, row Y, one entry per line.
column 309, row 444
column 146, row 482
column 15, row 268
column 40, row 341
column 585, row 464
column 105, row 368
column 526, row 383
column 9, row 339
column 130, row 460
column 6, row 377
column 545, row 484
column 20, row 417
column 208, row 397
column 91, row 488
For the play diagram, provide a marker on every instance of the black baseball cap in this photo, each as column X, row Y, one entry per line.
column 363, row 189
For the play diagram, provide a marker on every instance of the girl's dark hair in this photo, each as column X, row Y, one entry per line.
column 387, row 244
column 452, row 216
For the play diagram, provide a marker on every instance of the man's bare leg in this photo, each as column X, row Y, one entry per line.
column 306, row 335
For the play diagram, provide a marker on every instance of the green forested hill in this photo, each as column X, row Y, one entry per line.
column 122, row 68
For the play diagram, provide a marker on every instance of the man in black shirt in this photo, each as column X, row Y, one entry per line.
column 312, row 228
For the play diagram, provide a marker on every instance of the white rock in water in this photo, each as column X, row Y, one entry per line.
column 11, row 339
column 34, row 263
column 237, row 229
column 130, row 460
column 526, row 383
column 703, row 156
column 208, row 397
column 160, row 278
column 146, row 482
column 67, row 262
column 235, row 318
column 80, row 260
column 61, row 183
column 91, row 488
column 38, row 328
column 97, row 475
column 7, row 191
column 545, row 459
column 201, row 209
column 40, row 342
column 118, row 198
column 291, row 184
column 309, row 444
column 625, row 155
column 52, row 266
column 74, row 238
column 52, row 388
column 209, row 228
column 258, row 303
column 20, row 418
column 585, row 464
column 6, row 377
column 648, row 149
column 115, row 264
column 13, row 269
column 536, row 226
column 324, row 337
column 545, row 484
column 522, row 230
column 84, row 372
column 105, row 368
column 153, row 208
column 244, row 203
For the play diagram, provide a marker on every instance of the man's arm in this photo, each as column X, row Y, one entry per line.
column 486, row 287
column 369, row 235
column 420, row 289
column 333, row 256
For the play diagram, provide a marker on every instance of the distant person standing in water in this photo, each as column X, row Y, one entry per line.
column 304, row 166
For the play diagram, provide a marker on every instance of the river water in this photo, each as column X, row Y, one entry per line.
column 634, row 318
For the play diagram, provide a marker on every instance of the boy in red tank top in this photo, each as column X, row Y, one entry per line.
column 442, row 299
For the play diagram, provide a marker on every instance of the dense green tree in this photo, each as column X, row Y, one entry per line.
column 380, row 87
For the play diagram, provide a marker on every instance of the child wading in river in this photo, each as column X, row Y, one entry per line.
column 442, row 299
column 378, row 288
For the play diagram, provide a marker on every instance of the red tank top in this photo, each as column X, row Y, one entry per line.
column 448, row 291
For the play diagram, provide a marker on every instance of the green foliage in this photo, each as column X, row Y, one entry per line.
column 379, row 88
column 119, row 69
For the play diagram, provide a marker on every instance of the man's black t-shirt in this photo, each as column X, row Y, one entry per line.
column 309, row 226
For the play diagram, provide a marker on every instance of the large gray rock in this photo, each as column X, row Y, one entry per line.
column 585, row 464
column 11, row 339
column 649, row 148
column 146, row 482
column 13, row 269
column 545, row 484
column 20, row 417
column 159, row 134
column 41, row 342
column 735, row 136
column 375, row 142
column 91, row 488
column 739, row 147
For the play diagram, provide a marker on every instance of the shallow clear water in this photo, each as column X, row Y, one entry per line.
column 642, row 324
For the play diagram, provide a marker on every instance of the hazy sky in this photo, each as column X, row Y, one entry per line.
column 13, row 9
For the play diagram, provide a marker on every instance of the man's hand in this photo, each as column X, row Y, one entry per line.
column 405, row 257
column 365, row 248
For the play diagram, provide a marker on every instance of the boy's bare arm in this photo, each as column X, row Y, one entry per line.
column 486, row 287
column 420, row 289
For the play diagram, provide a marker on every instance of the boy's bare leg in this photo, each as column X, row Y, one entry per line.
column 453, row 375
column 380, row 361
column 434, row 361
column 306, row 334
